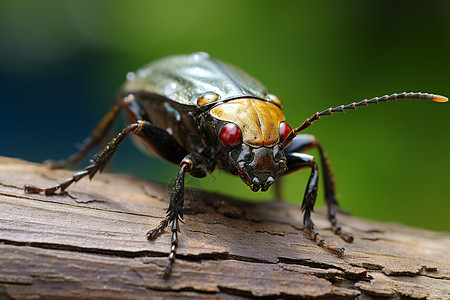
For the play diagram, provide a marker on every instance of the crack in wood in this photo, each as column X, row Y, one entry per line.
column 77, row 249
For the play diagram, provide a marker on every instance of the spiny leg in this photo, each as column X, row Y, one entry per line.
column 297, row 161
column 149, row 132
column 165, row 146
column 329, row 181
column 193, row 164
column 174, row 214
column 303, row 143
column 98, row 163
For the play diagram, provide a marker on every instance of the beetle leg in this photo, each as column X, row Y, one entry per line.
column 298, row 161
column 193, row 164
column 174, row 214
column 141, row 129
column 161, row 142
column 304, row 142
column 98, row 163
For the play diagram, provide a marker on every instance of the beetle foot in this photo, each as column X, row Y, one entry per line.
column 31, row 189
column 347, row 237
column 339, row 251
column 337, row 229
column 156, row 232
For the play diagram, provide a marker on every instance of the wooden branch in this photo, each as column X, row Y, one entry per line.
column 91, row 243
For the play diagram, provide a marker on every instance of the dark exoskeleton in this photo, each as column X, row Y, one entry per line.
column 204, row 114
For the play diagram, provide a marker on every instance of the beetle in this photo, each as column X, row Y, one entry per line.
column 203, row 114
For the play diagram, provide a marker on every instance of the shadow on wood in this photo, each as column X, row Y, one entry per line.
column 91, row 243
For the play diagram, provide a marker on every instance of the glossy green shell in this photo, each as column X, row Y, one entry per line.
column 184, row 78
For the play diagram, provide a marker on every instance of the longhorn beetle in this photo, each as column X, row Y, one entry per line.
column 203, row 114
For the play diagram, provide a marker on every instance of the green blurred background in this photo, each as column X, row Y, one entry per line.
column 61, row 63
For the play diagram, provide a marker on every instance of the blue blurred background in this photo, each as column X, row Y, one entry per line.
column 61, row 63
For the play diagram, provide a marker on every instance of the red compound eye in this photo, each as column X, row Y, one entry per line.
column 285, row 129
column 230, row 136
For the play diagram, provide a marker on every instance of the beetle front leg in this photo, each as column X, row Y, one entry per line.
column 159, row 138
column 174, row 214
column 298, row 161
column 193, row 164
column 303, row 143
column 98, row 163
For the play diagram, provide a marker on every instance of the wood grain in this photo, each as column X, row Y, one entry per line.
column 91, row 243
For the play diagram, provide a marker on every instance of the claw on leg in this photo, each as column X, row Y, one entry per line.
column 52, row 190
column 154, row 233
column 337, row 229
column 339, row 251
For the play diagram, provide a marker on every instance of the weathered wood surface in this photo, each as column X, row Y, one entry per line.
column 91, row 243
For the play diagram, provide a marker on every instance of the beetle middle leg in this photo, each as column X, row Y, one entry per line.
column 303, row 143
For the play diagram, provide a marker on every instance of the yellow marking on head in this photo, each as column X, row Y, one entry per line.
column 258, row 120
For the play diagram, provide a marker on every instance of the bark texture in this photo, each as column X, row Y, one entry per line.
column 91, row 243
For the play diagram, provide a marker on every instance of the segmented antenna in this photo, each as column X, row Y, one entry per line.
column 365, row 102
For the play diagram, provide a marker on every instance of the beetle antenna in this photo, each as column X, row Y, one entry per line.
column 365, row 102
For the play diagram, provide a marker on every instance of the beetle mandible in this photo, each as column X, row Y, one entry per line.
column 203, row 114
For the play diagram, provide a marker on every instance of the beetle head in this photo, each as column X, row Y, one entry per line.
column 249, row 133
column 258, row 167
